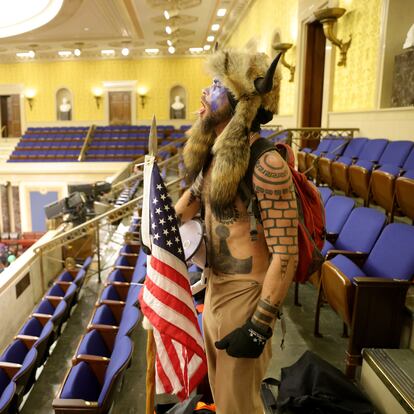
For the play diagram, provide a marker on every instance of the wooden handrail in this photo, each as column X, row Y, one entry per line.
column 86, row 143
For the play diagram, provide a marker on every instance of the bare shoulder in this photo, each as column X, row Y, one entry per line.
column 271, row 174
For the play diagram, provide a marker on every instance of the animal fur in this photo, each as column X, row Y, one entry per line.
column 237, row 71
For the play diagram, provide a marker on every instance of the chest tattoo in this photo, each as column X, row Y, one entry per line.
column 223, row 261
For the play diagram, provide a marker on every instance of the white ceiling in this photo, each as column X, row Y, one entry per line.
column 93, row 25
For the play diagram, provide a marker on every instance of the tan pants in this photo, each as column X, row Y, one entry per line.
column 234, row 382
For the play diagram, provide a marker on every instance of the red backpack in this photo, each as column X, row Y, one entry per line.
column 311, row 227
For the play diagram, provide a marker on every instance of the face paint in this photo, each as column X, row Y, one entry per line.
column 216, row 96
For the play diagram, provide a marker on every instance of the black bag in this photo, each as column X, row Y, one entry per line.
column 313, row 386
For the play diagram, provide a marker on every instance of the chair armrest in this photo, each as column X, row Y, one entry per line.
column 361, row 280
column 28, row 340
column 331, row 237
column 63, row 284
column 101, row 327
column 81, row 405
column 43, row 318
column 115, row 283
column 110, row 303
column 129, row 254
column 54, row 300
column 357, row 257
column 10, row 368
column 97, row 364
column 120, row 267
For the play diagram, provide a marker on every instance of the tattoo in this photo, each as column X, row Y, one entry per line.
column 265, row 314
column 192, row 198
column 231, row 217
column 265, row 305
column 223, row 261
column 277, row 200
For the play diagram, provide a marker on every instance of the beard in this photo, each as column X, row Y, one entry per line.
column 212, row 119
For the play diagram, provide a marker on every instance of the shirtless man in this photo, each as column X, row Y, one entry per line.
column 248, row 279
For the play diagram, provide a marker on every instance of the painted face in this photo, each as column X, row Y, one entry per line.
column 214, row 97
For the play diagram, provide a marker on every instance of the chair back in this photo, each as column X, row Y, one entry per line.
column 104, row 315
column 361, row 230
column 93, row 344
column 7, row 396
column 121, row 356
column 337, row 210
column 354, row 147
column 373, row 149
column 392, row 256
column 395, row 153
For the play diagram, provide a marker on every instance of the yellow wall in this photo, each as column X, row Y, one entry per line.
column 355, row 85
column 158, row 74
column 262, row 20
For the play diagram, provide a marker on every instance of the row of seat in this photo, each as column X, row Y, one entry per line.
column 30, row 347
column 360, row 244
column 105, row 350
column 376, row 170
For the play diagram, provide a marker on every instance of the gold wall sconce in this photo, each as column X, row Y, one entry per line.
column 97, row 94
column 142, row 93
column 283, row 48
column 30, row 95
column 328, row 18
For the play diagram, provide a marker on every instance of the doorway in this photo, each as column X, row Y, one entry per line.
column 10, row 116
column 120, row 108
column 313, row 79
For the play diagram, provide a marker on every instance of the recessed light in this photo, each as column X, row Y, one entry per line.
column 125, row 51
column 169, row 42
column 215, row 27
column 221, row 12
column 207, row 47
column 210, row 38
column 196, row 49
column 152, row 51
column 86, row 29
column 108, row 52
column 30, row 54
column 168, row 30
column 166, row 15
column 77, row 52
column 171, row 50
column 64, row 53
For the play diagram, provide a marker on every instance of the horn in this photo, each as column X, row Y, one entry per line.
column 264, row 85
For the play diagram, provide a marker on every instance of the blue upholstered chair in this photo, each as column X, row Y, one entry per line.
column 91, row 382
column 325, row 193
column 18, row 364
column 404, row 190
column 337, row 210
column 7, row 393
column 370, row 152
column 51, row 310
column 357, row 236
column 383, row 182
column 391, row 259
column 394, row 155
column 350, row 153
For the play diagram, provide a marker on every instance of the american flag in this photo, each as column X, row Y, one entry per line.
column 166, row 298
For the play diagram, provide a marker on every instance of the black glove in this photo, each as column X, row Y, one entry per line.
column 245, row 342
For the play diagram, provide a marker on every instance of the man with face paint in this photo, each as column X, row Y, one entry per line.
column 248, row 274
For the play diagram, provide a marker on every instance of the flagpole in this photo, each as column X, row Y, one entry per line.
column 150, row 374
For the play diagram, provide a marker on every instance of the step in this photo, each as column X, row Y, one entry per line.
column 387, row 376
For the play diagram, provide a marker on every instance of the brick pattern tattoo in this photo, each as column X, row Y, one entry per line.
column 277, row 202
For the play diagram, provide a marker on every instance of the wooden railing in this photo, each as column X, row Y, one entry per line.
column 86, row 143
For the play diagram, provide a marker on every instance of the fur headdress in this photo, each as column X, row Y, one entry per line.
column 254, row 84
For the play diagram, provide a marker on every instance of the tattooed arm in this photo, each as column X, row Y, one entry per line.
column 275, row 193
column 190, row 202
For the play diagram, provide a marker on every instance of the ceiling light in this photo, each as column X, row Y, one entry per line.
column 125, row 51
column 215, row 27
column 168, row 30
column 77, row 52
column 221, row 12
column 210, row 38
column 30, row 54
column 64, row 53
column 108, row 52
column 169, row 42
column 152, row 51
column 166, row 15
column 207, row 47
column 171, row 49
column 196, row 49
